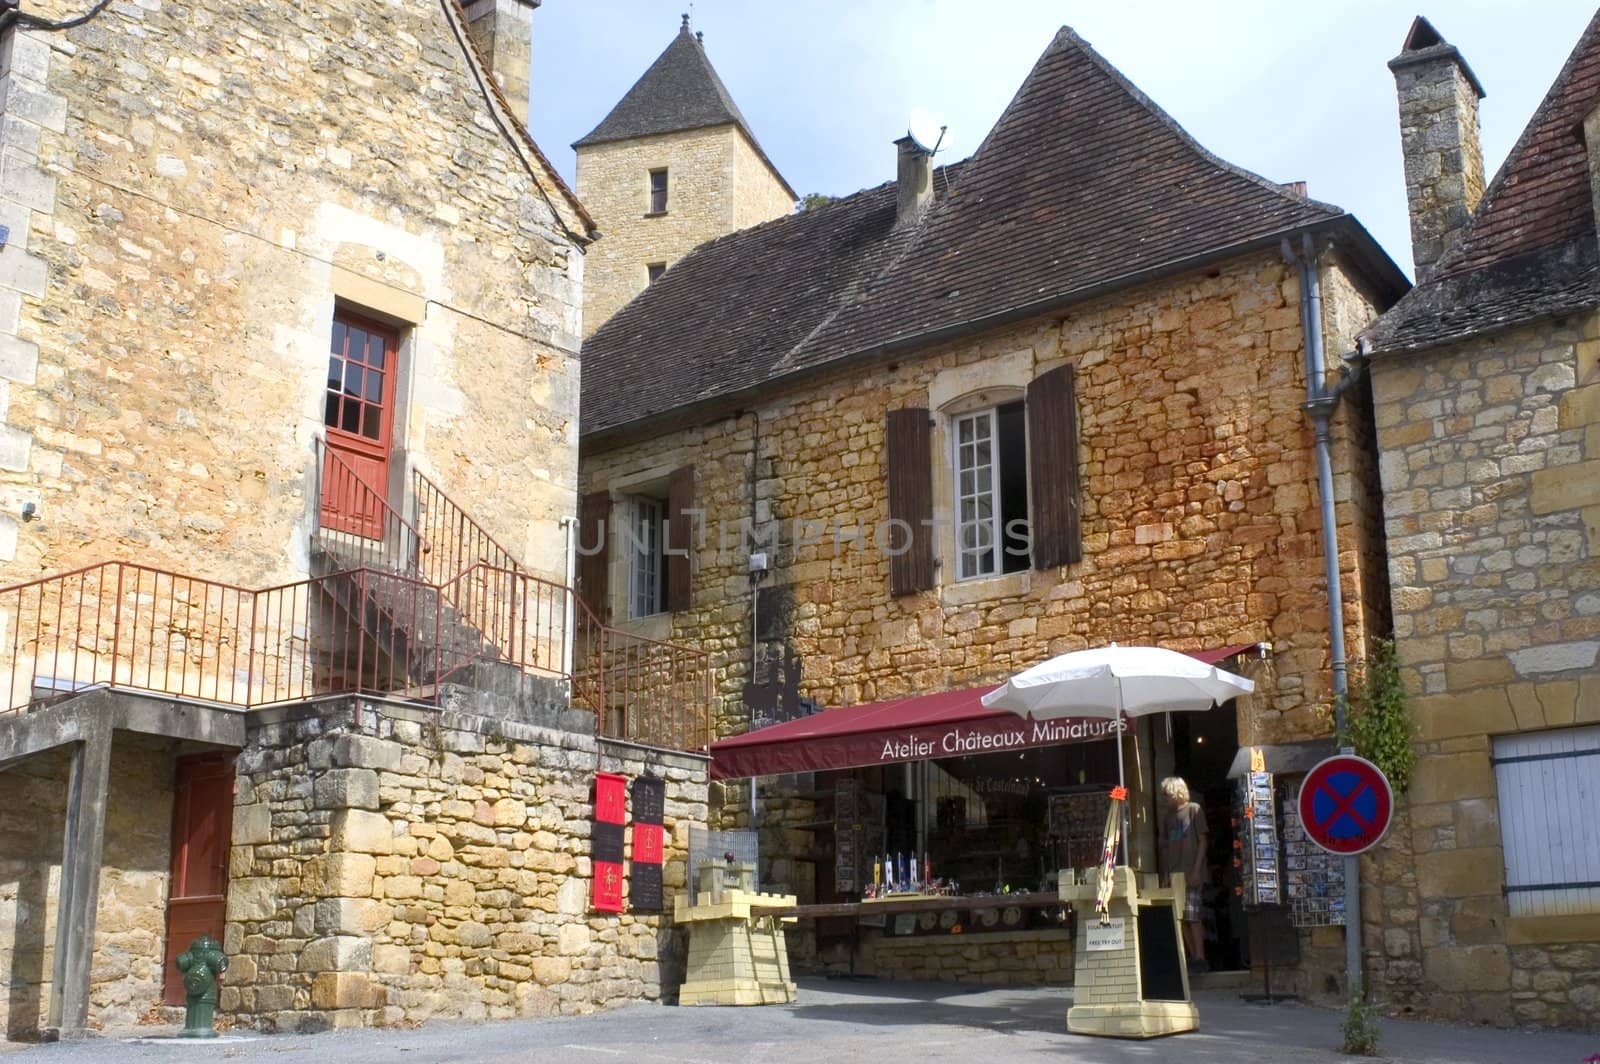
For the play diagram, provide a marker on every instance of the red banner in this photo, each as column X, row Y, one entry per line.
column 610, row 813
column 649, row 811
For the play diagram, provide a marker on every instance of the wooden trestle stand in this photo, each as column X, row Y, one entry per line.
column 1130, row 979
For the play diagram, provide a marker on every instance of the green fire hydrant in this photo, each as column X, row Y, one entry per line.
column 201, row 964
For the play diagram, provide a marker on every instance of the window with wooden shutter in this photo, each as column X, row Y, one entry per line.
column 680, row 500
column 1057, row 526
column 909, row 456
column 594, row 551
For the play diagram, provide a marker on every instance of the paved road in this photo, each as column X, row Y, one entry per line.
column 884, row 1023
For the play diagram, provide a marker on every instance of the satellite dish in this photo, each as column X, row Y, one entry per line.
column 926, row 130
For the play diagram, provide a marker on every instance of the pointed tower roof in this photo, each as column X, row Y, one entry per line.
column 680, row 91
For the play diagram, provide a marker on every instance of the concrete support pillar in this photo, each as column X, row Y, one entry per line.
column 87, row 787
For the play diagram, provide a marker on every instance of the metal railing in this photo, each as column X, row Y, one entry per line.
column 355, row 525
column 374, row 631
column 636, row 687
column 460, row 541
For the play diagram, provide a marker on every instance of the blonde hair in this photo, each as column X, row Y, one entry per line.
column 1175, row 789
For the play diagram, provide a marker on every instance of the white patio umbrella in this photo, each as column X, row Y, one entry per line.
column 1114, row 682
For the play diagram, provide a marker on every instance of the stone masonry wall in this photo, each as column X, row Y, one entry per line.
column 1491, row 474
column 191, row 187
column 1200, row 523
column 1003, row 958
column 418, row 865
column 130, row 923
column 715, row 184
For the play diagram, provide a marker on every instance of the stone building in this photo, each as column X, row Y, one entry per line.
column 289, row 316
column 1091, row 304
column 673, row 165
column 1485, row 380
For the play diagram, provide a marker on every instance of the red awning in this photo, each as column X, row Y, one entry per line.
column 923, row 727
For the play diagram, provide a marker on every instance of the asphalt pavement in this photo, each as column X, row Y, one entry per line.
column 836, row 1020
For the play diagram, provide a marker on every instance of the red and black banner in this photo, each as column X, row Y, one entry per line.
column 610, row 814
column 649, row 807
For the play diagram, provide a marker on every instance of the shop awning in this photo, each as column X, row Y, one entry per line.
column 923, row 727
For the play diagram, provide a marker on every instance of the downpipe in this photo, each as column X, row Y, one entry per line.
column 1321, row 405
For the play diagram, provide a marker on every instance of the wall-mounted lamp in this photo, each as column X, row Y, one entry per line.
column 30, row 512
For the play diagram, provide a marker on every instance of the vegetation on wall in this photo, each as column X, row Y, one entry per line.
column 1377, row 720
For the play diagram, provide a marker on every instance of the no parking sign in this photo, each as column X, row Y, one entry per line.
column 1346, row 804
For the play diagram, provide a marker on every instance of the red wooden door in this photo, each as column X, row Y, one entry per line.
column 202, row 828
column 358, row 417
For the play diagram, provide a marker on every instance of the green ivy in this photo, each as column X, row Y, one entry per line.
column 1377, row 721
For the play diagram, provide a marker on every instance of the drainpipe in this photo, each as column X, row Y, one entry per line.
column 755, row 585
column 1321, row 404
column 569, row 525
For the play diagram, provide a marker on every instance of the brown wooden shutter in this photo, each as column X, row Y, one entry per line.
column 680, row 500
column 594, row 565
column 1057, row 525
column 909, row 452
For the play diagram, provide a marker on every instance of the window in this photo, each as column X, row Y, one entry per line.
column 1549, row 787
column 360, row 373
column 647, row 570
column 991, row 491
column 655, row 270
column 658, row 192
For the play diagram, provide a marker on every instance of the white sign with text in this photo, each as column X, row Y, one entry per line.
column 1104, row 937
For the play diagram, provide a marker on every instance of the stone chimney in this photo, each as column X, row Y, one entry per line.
column 1439, row 97
column 503, row 32
column 914, row 179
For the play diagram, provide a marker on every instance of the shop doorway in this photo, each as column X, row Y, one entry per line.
column 202, row 829
column 1203, row 749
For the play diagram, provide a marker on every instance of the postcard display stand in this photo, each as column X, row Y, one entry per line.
column 1256, row 829
column 1129, row 975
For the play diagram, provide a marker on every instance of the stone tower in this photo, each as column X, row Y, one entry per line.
column 673, row 165
column 1439, row 137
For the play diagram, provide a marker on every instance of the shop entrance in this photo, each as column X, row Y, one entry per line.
column 1203, row 749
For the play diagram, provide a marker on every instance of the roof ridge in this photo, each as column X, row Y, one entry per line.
column 1173, row 125
column 1450, row 262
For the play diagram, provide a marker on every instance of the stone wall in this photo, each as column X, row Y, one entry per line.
column 1200, row 523
column 998, row 958
column 1490, row 464
column 716, row 183
column 408, row 865
column 191, row 188
column 130, row 924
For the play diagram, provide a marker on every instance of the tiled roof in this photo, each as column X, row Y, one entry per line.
column 680, row 91
column 1529, row 250
column 1083, row 185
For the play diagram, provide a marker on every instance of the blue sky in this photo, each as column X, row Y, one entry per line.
column 1293, row 91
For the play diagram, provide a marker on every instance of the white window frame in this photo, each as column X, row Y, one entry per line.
column 968, row 558
column 646, row 558
column 1548, row 785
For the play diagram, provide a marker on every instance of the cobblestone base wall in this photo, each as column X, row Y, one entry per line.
column 414, row 865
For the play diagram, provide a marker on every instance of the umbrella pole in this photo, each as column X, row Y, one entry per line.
column 1121, row 784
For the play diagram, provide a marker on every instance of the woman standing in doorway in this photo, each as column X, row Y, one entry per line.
column 1184, row 838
